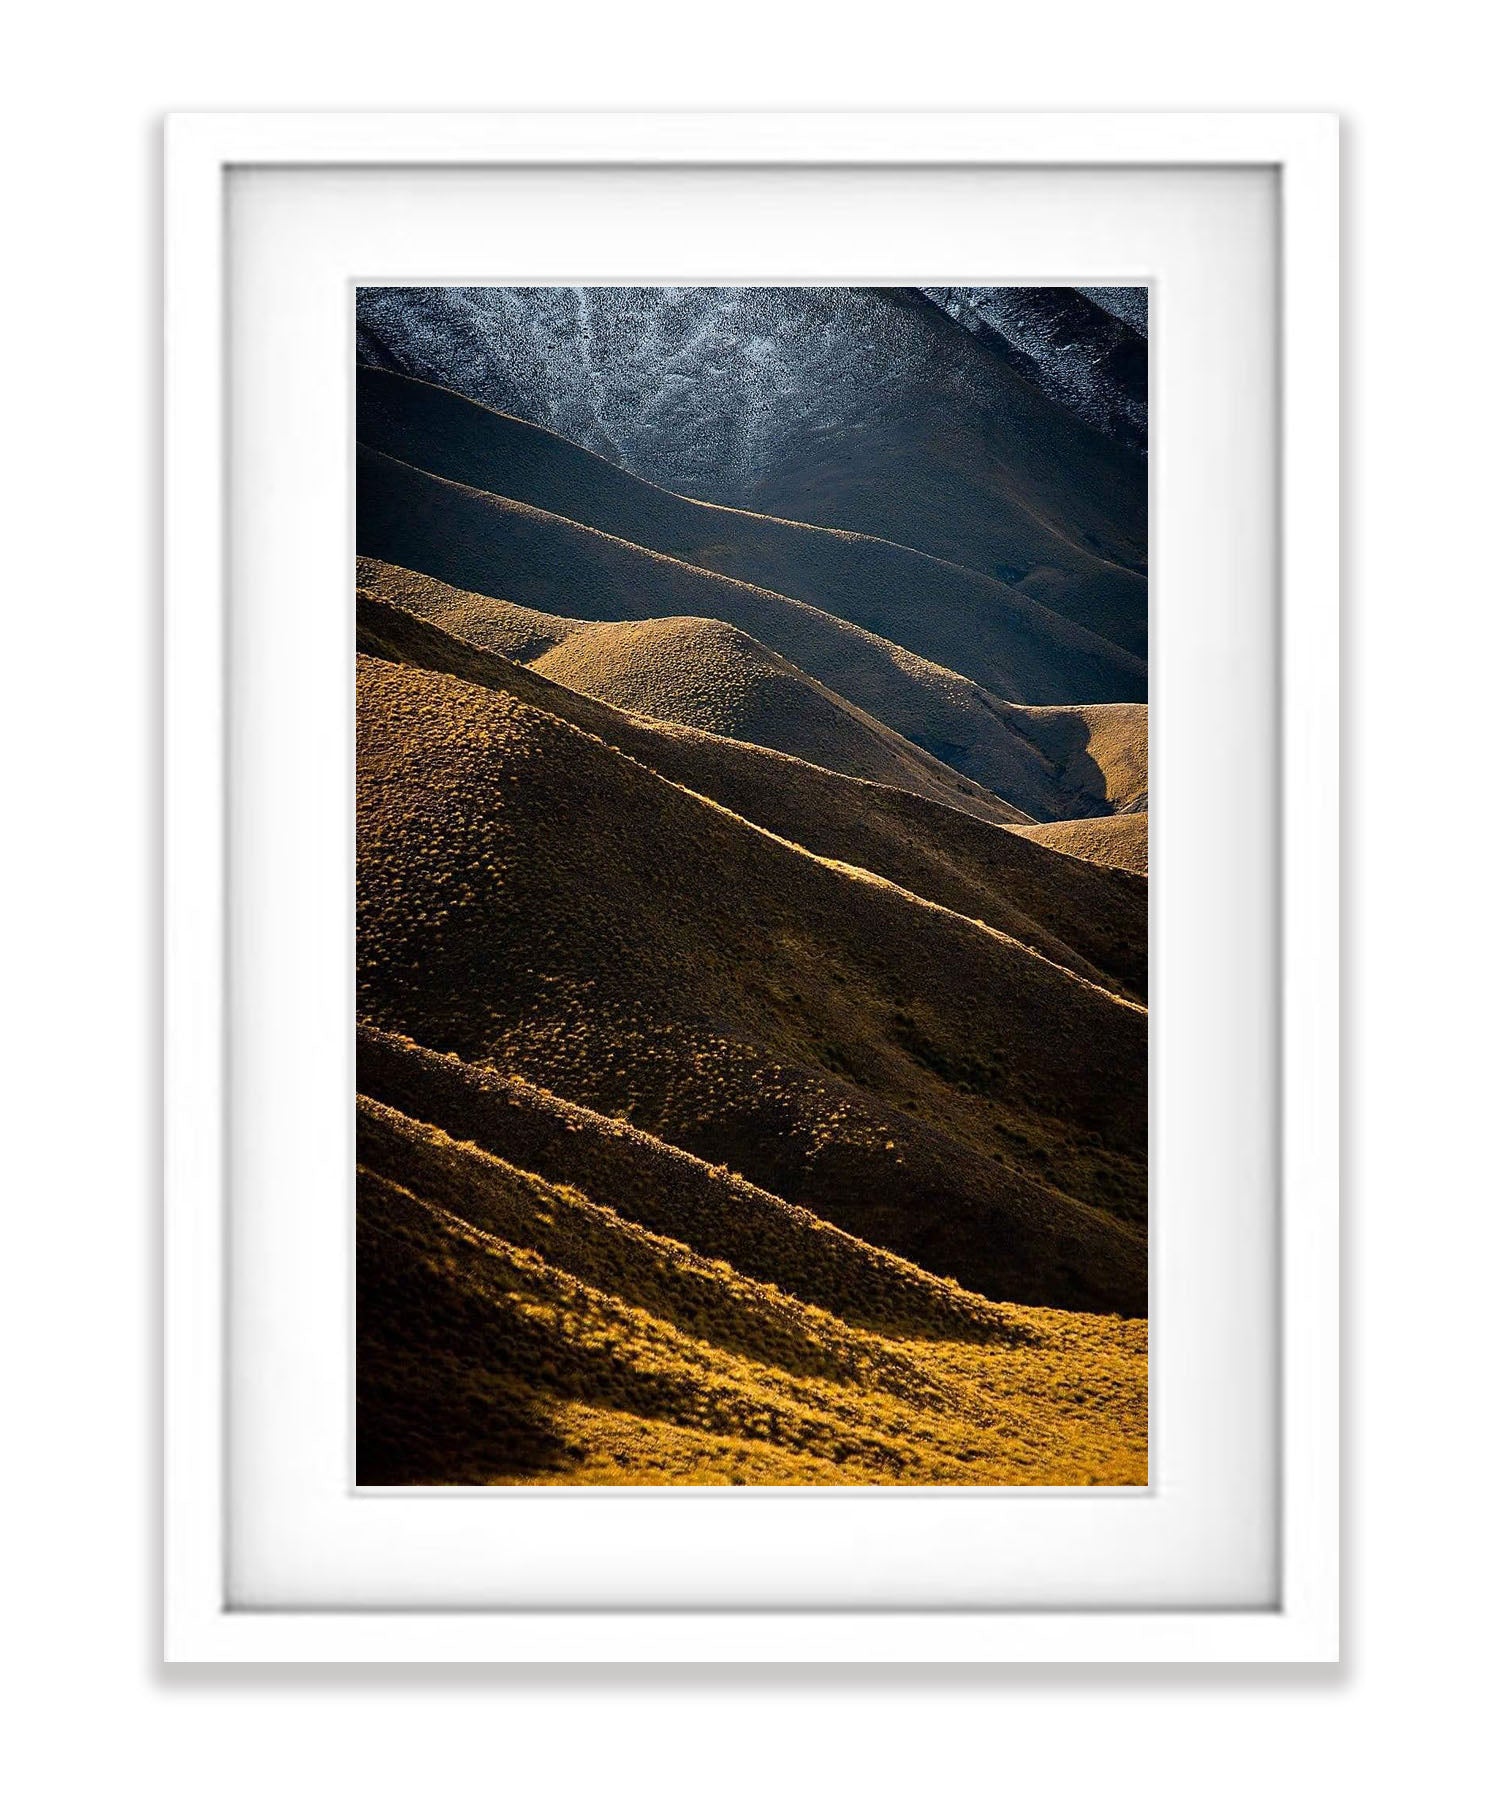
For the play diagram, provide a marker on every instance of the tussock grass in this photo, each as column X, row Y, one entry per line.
column 514, row 1330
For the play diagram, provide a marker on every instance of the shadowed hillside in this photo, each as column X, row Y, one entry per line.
column 531, row 897
column 1088, row 921
column 983, row 628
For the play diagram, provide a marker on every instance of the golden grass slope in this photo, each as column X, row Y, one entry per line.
column 1087, row 920
column 1118, row 842
column 533, row 898
column 999, row 635
column 512, row 1329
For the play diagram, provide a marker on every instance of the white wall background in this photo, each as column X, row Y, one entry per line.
column 89, row 1706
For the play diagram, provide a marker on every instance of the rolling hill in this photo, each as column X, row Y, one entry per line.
column 1089, row 921
column 474, row 538
column 698, row 672
column 533, row 898
column 490, row 547
column 703, row 672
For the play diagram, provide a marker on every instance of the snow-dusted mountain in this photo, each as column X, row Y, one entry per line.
column 1085, row 347
column 999, row 439
column 703, row 388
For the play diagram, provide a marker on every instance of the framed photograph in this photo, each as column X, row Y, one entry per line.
column 701, row 1123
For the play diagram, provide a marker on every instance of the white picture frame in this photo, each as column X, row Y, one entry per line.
column 202, row 1623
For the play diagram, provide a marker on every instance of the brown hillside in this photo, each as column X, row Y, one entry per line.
column 705, row 673
column 1119, row 842
column 1083, row 919
column 697, row 672
column 511, row 1329
column 533, row 898
column 1000, row 636
column 944, row 716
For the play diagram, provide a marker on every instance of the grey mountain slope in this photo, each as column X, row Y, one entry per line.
column 978, row 626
